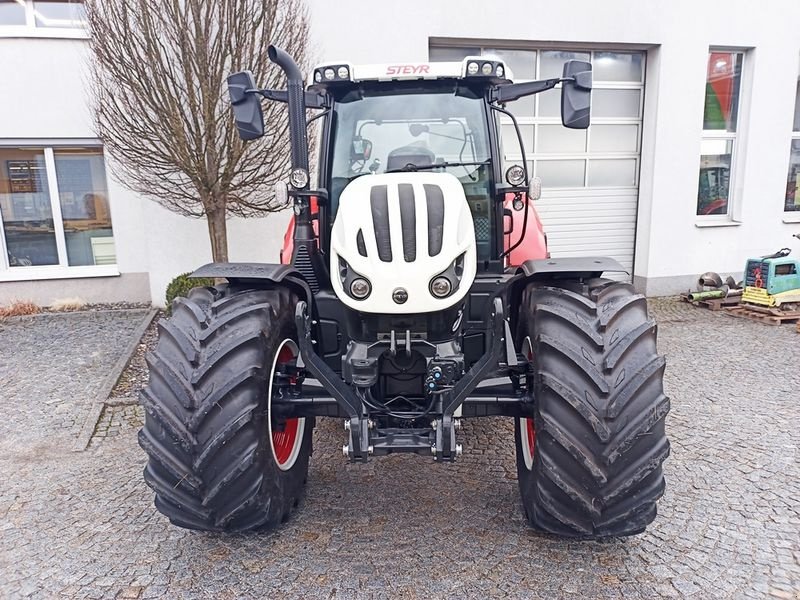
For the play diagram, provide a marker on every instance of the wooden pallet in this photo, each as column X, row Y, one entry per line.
column 771, row 316
column 714, row 303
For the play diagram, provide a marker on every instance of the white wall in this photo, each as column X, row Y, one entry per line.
column 44, row 96
column 671, row 249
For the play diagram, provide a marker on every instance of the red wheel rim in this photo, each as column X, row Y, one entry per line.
column 285, row 442
column 530, row 432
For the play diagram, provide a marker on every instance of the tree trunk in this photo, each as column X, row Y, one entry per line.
column 218, row 233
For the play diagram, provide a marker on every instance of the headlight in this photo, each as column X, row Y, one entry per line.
column 298, row 178
column 472, row 68
column 515, row 175
column 441, row 286
column 360, row 288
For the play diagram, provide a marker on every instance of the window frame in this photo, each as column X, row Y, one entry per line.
column 792, row 216
column 30, row 29
column 62, row 270
column 735, row 137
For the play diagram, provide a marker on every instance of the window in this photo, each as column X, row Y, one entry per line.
column 604, row 156
column 54, row 209
column 793, row 177
column 38, row 14
column 720, row 118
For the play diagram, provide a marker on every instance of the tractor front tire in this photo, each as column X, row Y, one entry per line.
column 218, row 460
column 590, row 450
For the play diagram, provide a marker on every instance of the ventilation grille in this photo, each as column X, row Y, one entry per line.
column 382, row 224
column 302, row 263
column 379, row 202
column 435, row 199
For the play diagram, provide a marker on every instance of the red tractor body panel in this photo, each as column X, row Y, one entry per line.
column 534, row 243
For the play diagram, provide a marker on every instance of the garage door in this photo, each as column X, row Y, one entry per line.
column 589, row 177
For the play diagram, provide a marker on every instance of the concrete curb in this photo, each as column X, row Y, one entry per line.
column 102, row 399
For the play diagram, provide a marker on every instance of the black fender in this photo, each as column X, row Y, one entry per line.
column 584, row 267
column 259, row 275
column 556, row 270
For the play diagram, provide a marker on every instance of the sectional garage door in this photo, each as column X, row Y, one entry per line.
column 589, row 178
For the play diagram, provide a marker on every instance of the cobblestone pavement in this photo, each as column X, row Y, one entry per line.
column 82, row 525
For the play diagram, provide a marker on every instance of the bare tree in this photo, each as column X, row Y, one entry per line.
column 161, row 103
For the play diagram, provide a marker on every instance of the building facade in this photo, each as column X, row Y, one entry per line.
column 691, row 163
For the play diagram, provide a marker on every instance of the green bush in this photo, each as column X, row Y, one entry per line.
column 181, row 285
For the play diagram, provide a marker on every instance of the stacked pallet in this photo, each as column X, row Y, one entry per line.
column 769, row 315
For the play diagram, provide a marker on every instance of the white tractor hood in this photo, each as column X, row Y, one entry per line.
column 400, row 231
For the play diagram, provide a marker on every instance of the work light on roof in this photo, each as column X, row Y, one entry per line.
column 329, row 73
column 472, row 68
column 343, row 73
column 486, row 69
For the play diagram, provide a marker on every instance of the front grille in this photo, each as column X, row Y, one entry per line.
column 379, row 203
column 435, row 200
column 408, row 221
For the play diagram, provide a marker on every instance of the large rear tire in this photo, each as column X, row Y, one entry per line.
column 218, row 459
column 589, row 454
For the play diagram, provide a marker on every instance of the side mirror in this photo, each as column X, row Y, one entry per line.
column 246, row 105
column 576, row 95
column 535, row 188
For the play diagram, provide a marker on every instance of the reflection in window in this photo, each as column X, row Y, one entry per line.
column 59, row 13
column 83, row 196
column 25, row 208
column 12, row 12
column 715, row 175
column 793, row 178
column 722, row 90
column 720, row 122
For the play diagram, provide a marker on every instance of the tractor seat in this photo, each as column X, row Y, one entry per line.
column 412, row 154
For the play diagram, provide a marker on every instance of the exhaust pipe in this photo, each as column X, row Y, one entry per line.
column 297, row 106
column 305, row 254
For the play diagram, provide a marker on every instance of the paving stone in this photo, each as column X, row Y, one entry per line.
column 82, row 525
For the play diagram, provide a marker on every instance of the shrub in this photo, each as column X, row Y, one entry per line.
column 18, row 308
column 180, row 286
column 68, row 304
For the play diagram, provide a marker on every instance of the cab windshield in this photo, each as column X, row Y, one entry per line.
column 441, row 129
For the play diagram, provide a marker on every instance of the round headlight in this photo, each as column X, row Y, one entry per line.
column 329, row 73
column 499, row 71
column 472, row 68
column 515, row 175
column 360, row 288
column 441, row 287
column 343, row 73
column 486, row 69
column 317, row 76
column 298, row 178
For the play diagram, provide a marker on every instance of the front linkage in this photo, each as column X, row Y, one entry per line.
column 439, row 440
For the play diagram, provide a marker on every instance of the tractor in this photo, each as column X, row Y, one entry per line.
column 414, row 290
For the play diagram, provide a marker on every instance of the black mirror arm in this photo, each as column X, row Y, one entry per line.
column 312, row 100
column 514, row 91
